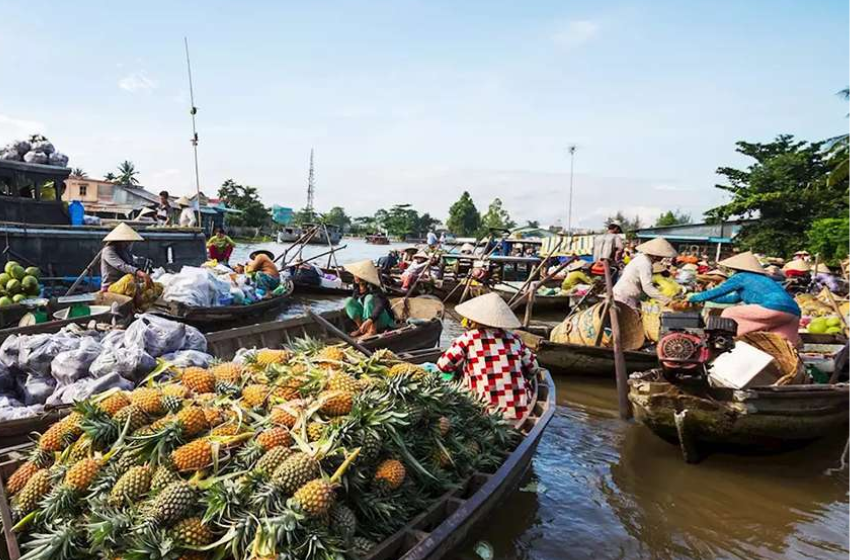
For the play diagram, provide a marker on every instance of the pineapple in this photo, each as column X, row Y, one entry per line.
column 132, row 485
column 331, row 353
column 341, row 381
column 404, row 368
column 162, row 477
column 113, row 403
column 214, row 416
column 136, row 417
column 384, row 355
column 80, row 449
column 274, row 437
column 295, row 472
column 227, row 372
column 315, row 498
column 198, row 380
column 441, row 458
column 36, row 488
column 193, row 420
column 173, row 390
column 20, row 477
column 266, row 357
column 315, row 431
column 336, row 403
column 272, row 459
column 171, row 403
column 148, row 400
column 289, row 390
column 192, row 532
column 81, row 475
column 193, row 456
column 255, row 395
column 390, row 474
column 73, row 425
column 54, row 439
column 225, row 430
column 361, row 546
column 173, row 503
column 370, row 447
column 343, row 521
column 444, row 425
column 285, row 415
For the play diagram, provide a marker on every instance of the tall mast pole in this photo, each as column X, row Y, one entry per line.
column 572, row 150
column 311, row 184
column 193, row 111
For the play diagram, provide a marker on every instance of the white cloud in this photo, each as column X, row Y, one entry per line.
column 575, row 33
column 137, row 81
column 17, row 129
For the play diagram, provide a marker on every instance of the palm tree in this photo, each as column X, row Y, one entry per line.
column 79, row 173
column 127, row 173
column 110, row 177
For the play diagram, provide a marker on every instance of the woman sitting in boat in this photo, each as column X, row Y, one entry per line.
column 368, row 306
column 636, row 278
column 767, row 306
column 494, row 362
column 220, row 246
column 421, row 261
column 265, row 272
column 116, row 260
column 576, row 274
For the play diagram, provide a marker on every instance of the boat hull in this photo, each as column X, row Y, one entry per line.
column 216, row 318
column 763, row 419
column 578, row 360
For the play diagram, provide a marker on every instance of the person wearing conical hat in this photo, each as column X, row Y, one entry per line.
column 116, row 259
column 494, row 362
column 263, row 271
column 576, row 274
column 369, row 307
column 187, row 215
column 765, row 305
column 421, row 262
column 797, row 268
column 636, row 278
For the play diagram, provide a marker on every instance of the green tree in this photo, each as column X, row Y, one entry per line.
column 839, row 151
column 364, row 225
column 828, row 238
column 247, row 201
column 78, row 173
column 786, row 189
column 110, row 176
column 304, row 217
column 336, row 216
column 496, row 217
column 399, row 221
column 127, row 173
column 627, row 224
column 532, row 224
column 424, row 224
column 671, row 218
column 464, row 219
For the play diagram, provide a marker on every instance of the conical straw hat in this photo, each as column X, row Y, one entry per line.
column 123, row 232
column 365, row 270
column 183, row 201
column 822, row 269
column 489, row 310
column 658, row 247
column 745, row 261
column 798, row 265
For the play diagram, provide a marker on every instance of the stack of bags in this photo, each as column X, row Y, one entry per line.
column 37, row 149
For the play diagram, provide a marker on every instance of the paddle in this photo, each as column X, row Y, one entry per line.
column 344, row 336
column 83, row 273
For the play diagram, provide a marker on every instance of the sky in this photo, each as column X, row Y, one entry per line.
column 415, row 101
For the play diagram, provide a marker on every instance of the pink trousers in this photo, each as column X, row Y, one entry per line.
column 752, row 318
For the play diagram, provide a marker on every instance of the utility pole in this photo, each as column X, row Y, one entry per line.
column 311, row 185
column 193, row 111
column 572, row 150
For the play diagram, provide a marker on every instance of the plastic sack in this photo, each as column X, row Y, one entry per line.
column 194, row 340
column 9, row 351
column 113, row 339
column 7, row 378
column 188, row 358
column 37, row 351
column 85, row 388
column 9, row 401
column 35, row 157
column 17, row 413
column 44, row 146
column 36, row 389
column 10, row 155
column 130, row 363
column 58, row 159
column 20, row 146
column 71, row 365
column 155, row 335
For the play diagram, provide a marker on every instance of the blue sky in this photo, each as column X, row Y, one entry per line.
column 414, row 101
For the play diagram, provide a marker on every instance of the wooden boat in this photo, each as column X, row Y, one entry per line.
column 542, row 302
column 320, row 290
column 101, row 304
column 700, row 418
column 422, row 332
column 215, row 318
column 435, row 532
column 576, row 359
column 377, row 239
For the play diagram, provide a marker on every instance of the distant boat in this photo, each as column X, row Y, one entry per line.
column 329, row 235
column 378, row 239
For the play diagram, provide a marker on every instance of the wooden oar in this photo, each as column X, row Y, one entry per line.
column 83, row 273
column 619, row 357
column 343, row 335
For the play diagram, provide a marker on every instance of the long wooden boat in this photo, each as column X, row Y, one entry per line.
column 701, row 418
column 423, row 331
column 559, row 302
column 576, row 359
column 377, row 239
column 214, row 318
column 319, row 290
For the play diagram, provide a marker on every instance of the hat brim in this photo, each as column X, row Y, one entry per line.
column 489, row 310
column 255, row 254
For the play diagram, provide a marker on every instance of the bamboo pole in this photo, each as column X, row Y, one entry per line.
column 519, row 301
column 619, row 358
column 85, row 271
column 343, row 335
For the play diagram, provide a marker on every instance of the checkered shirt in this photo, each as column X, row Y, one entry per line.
column 496, row 365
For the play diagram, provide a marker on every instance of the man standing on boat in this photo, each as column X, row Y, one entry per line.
column 494, row 362
column 609, row 245
column 636, row 278
column 368, row 306
column 116, row 260
column 163, row 209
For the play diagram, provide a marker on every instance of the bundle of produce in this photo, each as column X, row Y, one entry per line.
column 18, row 283
column 75, row 363
column 37, row 149
column 308, row 453
column 143, row 291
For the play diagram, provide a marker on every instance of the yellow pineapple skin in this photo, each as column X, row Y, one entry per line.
column 198, row 380
column 274, row 437
column 193, row 456
column 113, row 403
column 194, row 420
column 81, row 475
column 336, row 403
column 315, row 498
column 20, row 477
column 391, row 472
column 148, row 399
column 255, row 394
column 227, row 372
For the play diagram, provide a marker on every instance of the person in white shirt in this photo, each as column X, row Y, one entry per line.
column 636, row 278
column 187, row 215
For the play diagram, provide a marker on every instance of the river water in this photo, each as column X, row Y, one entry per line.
column 601, row 488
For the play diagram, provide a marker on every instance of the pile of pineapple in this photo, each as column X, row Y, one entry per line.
column 307, row 452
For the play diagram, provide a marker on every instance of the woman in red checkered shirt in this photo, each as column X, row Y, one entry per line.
column 494, row 362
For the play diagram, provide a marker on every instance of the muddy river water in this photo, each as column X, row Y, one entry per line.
column 601, row 488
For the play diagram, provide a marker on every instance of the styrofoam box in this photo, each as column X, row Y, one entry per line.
column 743, row 366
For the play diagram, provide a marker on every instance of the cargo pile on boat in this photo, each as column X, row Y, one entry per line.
column 308, row 452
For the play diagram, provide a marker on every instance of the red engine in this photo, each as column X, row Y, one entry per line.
column 681, row 351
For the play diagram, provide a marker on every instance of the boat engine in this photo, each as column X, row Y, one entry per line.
column 685, row 345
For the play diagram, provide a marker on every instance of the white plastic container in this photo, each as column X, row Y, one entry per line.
column 744, row 366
